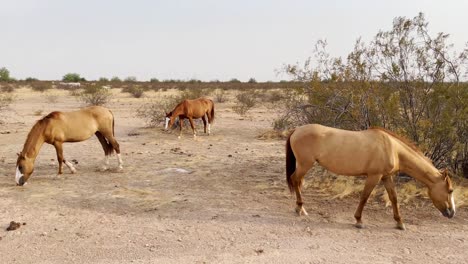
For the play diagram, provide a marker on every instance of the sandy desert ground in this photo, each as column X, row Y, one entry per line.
column 232, row 207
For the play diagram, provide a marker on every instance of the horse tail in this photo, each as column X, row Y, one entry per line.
column 212, row 112
column 109, row 145
column 290, row 163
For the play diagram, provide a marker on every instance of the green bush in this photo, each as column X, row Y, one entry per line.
column 73, row 77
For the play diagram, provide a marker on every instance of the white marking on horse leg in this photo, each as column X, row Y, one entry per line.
column 167, row 122
column 119, row 158
column 18, row 175
column 209, row 128
column 452, row 201
column 70, row 166
column 106, row 163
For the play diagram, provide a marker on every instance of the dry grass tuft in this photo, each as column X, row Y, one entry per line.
column 339, row 187
column 274, row 134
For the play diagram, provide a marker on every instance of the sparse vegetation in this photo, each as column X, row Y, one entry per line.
column 40, row 86
column 155, row 112
column 135, row 90
column 245, row 101
column 7, row 88
column 404, row 80
column 95, row 95
column 220, row 96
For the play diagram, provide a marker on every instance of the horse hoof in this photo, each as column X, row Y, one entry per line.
column 301, row 211
column 359, row 225
column 401, row 226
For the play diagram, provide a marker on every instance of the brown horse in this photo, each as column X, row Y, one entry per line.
column 59, row 127
column 190, row 109
column 376, row 153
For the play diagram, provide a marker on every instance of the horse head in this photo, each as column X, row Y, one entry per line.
column 24, row 169
column 441, row 194
column 169, row 120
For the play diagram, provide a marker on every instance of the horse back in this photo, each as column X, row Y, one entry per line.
column 78, row 125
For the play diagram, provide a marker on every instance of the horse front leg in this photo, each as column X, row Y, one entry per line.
column 193, row 127
column 59, row 149
column 180, row 126
column 390, row 187
column 371, row 182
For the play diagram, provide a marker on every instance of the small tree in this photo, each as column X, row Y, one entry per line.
column 154, row 80
column 130, row 79
column 115, row 79
column 4, row 74
column 73, row 77
column 252, row 80
column 103, row 79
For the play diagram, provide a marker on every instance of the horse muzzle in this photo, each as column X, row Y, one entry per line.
column 449, row 213
column 21, row 181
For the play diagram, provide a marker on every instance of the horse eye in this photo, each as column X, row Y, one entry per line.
column 450, row 191
column 20, row 168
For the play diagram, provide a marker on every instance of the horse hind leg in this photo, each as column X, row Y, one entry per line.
column 297, row 182
column 204, row 123
column 107, row 147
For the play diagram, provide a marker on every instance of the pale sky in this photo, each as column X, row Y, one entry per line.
column 203, row 39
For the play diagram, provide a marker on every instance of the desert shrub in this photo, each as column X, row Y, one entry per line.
column 7, row 88
column 404, row 80
column 245, row 101
column 220, row 96
column 252, row 80
column 51, row 97
column 115, row 79
column 154, row 80
column 192, row 93
column 95, row 95
column 135, row 90
column 40, row 86
column 103, row 80
column 155, row 112
column 130, row 79
column 6, row 100
column 31, row 79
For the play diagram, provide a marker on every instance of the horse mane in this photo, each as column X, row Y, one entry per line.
column 37, row 129
column 404, row 140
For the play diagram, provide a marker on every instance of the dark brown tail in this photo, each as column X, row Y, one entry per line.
column 109, row 145
column 290, row 163
column 212, row 112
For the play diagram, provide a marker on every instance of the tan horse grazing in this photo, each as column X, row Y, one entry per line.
column 191, row 109
column 376, row 153
column 59, row 127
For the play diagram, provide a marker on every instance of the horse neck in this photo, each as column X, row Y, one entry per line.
column 178, row 111
column 417, row 166
column 34, row 141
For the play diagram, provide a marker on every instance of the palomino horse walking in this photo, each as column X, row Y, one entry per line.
column 191, row 109
column 59, row 127
column 376, row 153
